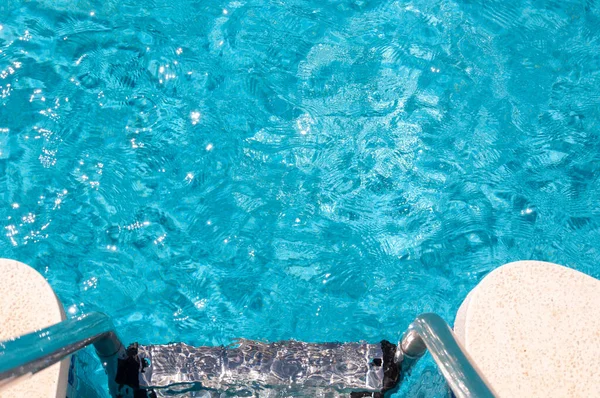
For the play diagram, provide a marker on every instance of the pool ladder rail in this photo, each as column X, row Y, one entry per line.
column 30, row 353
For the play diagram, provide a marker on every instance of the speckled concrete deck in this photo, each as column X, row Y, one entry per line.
column 533, row 328
column 27, row 303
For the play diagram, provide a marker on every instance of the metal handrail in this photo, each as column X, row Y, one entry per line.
column 35, row 351
column 431, row 332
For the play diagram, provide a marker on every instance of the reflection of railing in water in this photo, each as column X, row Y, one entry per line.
column 300, row 369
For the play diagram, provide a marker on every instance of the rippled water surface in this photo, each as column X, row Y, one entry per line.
column 317, row 170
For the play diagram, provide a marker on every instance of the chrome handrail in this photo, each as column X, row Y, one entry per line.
column 35, row 351
column 431, row 332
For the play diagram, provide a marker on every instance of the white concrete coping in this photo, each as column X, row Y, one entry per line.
column 533, row 328
column 28, row 303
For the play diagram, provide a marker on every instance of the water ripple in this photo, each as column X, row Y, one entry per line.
column 310, row 170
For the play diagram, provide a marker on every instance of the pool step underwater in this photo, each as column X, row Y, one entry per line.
column 251, row 368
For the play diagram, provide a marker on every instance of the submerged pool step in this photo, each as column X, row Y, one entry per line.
column 292, row 368
column 249, row 368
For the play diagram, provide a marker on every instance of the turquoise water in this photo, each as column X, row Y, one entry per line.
column 317, row 170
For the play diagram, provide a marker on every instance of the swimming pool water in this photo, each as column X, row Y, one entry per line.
column 317, row 170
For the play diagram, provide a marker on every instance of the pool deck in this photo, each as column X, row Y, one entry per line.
column 28, row 303
column 533, row 328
